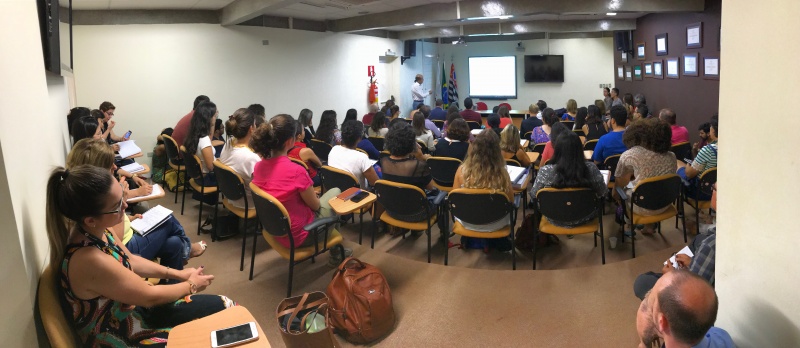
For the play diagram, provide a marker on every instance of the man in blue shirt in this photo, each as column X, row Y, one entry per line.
column 611, row 143
column 438, row 113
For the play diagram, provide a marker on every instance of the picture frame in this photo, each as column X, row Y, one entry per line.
column 711, row 68
column 628, row 73
column 694, row 35
column 648, row 69
column 691, row 62
column 624, row 57
column 640, row 52
column 658, row 69
column 637, row 72
column 672, row 67
column 662, row 48
column 620, row 73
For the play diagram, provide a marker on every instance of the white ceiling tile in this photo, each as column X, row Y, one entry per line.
column 152, row 4
column 211, row 4
column 85, row 4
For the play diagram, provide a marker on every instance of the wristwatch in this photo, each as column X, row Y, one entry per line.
column 192, row 288
column 134, row 176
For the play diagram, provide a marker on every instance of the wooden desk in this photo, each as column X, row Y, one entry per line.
column 516, row 116
column 197, row 333
column 158, row 194
column 525, row 184
column 145, row 171
column 525, row 143
column 588, row 154
column 533, row 156
column 342, row 207
column 137, row 155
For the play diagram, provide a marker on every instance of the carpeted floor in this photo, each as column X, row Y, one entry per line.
column 570, row 300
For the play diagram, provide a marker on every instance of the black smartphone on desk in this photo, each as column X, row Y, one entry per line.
column 360, row 196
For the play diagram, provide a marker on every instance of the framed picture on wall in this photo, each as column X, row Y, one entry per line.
column 620, row 73
column 690, row 61
column 694, row 35
column 672, row 67
column 648, row 69
column 661, row 44
column 637, row 72
column 624, row 57
column 711, row 68
column 640, row 51
column 628, row 73
column 658, row 69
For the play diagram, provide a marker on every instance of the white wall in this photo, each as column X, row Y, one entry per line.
column 152, row 73
column 757, row 235
column 587, row 64
column 423, row 63
column 32, row 141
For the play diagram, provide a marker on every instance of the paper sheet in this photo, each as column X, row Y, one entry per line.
column 151, row 219
column 157, row 190
column 693, row 36
column 620, row 72
column 128, row 148
column 133, row 168
column 685, row 250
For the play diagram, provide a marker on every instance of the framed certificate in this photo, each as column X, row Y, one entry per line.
column 628, row 73
column 620, row 73
column 690, row 63
column 673, row 66
column 661, row 45
column 624, row 57
column 711, row 68
column 648, row 69
column 658, row 69
column 637, row 72
column 694, row 35
column 640, row 51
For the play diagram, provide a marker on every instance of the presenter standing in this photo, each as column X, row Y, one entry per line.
column 418, row 94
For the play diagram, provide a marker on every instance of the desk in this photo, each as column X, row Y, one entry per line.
column 533, row 156
column 136, row 155
column 197, row 333
column 588, row 154
column 157, row 193
column 516, row 116
column 145, row 171
column 343, row 207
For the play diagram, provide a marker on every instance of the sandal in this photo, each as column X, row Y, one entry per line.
column 195, row 252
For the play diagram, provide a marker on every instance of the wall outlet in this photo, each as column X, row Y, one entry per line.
column 149, row 154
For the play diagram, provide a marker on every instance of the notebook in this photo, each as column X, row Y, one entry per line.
column 157, row 190
column 128, row 148
column 151, row 219
column 349, row 193
column 133, row 168
column 515, row 173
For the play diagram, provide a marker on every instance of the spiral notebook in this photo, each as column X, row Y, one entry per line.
column 150, row 220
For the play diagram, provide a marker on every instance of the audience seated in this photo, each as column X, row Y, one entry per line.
column 541, row 134
column 367, row 119
column 557, row 129
column 406, row 165
column 493, row 123
column 611, row 143
column 615, row 99
column 531, row 121
column 181, row 129
column 378, row 126
column 541, row 104
column 703, row 132
column 328, row 130
column 351, row 114
column 640, row 112
column 706, row 159
column 594, row 127
column 569, row 169
column 426, row 112
column 237, row 153
column 304, row 154
column 372, row 152
column 484, row 168
column 394, row 112
column 76, row 113
column 470, row 115
column 456, row 142
column 289, row 183
column 198, row 140
column 680, row 311
column 627, row 102
column 572, row 111
column 259, row 112
column 510, row 146
column 505, row 117
column 82, row 204
column 347, row 158
column 85, row 127
column 679, row 133
column 217, row 141
column 422, row 133
column 580, row 118
column 107, row 124
column 603, row 107
column 306, row 118
column 639, row 100
column 607, row 100
column 438, row 113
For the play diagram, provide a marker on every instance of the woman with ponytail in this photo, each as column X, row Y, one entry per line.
column 288, row 182
column 198, row 141
column 101, row 281
column 237, row 153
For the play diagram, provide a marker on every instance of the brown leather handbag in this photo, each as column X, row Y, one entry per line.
column 360, row 302
column 295, row 312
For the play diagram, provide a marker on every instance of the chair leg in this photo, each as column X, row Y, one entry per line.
column 429, row 243
column 183, row 198
column 253, row 253
column 633, row 244
column 360, row 225
column 244, row 243
column 200, row 216
column 696, row 220
column 374, row 230
column 513, row 251
column 214, row 235
column 177, row 184
column 291, row 274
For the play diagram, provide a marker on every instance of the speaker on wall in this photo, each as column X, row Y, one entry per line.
column 622, row 41
column 409, row 48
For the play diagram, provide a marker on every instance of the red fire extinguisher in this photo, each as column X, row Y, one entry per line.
column 372, row 96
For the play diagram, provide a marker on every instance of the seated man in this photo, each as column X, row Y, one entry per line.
column 470, row 115
column 679, row 133
column 367, row 119
column 531, row 122
column 706, row 159
column 680, row 311
column 438, row 113
column 611, row 143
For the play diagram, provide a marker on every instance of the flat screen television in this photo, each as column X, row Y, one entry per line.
column 544, row 68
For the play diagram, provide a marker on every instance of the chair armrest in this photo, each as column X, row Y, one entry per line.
column 621, row 193
column 321, row 222
column 517, row 199
column 440, row 197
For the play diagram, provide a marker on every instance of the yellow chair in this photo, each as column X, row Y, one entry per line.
column 335, row 177
column 704, row 185
column 513, row 162
column 407, row 200
column 568, row 204
column 195, row 173
column 175, row 162
column 56, row 325
column 479, row 207
column 232, row 187
column 652, row 194
column 589, row 145
column 276, row 223
column 443, row 171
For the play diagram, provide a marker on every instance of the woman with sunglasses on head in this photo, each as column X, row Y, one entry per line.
column 101, row 281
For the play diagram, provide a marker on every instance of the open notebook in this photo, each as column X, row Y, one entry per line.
column 128, row 148
column 151, row 219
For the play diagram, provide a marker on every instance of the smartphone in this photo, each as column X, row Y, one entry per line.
column 234, row 335
column 127, row 135
column 360, row 196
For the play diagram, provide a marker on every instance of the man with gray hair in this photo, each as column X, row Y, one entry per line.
column 418, row 93
column 679, row 133
column 367, row 119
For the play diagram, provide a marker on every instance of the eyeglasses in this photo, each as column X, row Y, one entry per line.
column 121, row 200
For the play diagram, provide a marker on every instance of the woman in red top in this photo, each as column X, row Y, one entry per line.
column 301, row 152
column 289, row 183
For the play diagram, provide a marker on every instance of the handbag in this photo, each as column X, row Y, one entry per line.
column 300, row 324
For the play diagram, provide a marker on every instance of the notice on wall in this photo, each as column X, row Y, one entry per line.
column 672, row 67
column 693, row 36
column 711, row 66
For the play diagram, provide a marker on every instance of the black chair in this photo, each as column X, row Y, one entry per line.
column 579, row 132
column 439, row 124
column 610, row 163
column 652, row 194
column 337, row 178
column 195, row 175
column 275, row 222
column 569, row 124
column 232, row 187
column 321, row 149
column 378, row 142
column 589, row 145
column 527, row 135
column 443, row 172
column 682, row 150
column 704, row 185
column 175, row 162
column 538, row 148
column 404, row 199
column 568, row 204
column 424, row 147
column 480, row 207
column 513, row 162
column 474, row 125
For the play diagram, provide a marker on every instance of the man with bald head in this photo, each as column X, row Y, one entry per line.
column 680, row 311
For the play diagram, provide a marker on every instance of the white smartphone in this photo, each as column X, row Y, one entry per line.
column 235, row 335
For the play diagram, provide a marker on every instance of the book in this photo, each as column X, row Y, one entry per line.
column 151, row 219
column 514, row 172
column 157, row 190
column 349, row 193
column 128, row 148
column 606, row 175
column 133, row 168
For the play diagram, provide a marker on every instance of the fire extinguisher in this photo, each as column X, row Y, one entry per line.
column 372, row 96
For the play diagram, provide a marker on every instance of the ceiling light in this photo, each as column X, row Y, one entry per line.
column 504, row 17
column 419, row 24
column 611, row 14
column 491, row 17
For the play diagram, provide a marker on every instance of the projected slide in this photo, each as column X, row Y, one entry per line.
column 493, row 77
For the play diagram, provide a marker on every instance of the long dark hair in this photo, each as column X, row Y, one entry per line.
column 593, row 115
column 351, row 114
column 378, row 121
column 200, row 125
column 76, row 113
column 240, row 122
column 418, row 122
column 580, row 117
column 327, row 126
column 570, row 165
column 83, row 128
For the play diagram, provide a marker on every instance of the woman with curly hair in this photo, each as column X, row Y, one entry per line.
column 456, row 141
column 510, row 146
column 327, row 130
column 485, row 168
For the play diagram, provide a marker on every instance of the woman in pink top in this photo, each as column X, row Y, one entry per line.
column 289, row 182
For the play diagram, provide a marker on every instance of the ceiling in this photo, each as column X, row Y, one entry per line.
column 146, row 4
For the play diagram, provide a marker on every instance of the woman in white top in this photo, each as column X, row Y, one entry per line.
column 347, row 158
column 237, row 153
column 422, row 133
column 198, row 141
column 378, row 126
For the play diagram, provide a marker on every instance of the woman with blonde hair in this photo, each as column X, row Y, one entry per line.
column 510, row 146
column 572, row 111
column 484, row 168
column 236, row 153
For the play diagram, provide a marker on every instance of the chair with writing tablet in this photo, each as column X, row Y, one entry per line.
column 232, row 187
column 439, row 124
column 652, row 194
column 175, row 162
column 474, row 125
column 568, row 204
column 682, row 150
column 569, row 124
column 589, row 145
column 378, row 142
column 579, row 132
column 704, row 185
column 337, row 178
column 321, row 149
column 195, row 175
column 481, row 207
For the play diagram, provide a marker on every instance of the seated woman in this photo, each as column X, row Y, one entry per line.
column 351, row 114
column 302, row 153
column 648, row 155
column 456, row 143
column 422, row 133
column 277, row 175
column 217, row 141
column 394, row 112
column 74, row 114
column 484, row 168
column 107, row 301
column 168, row 242
column 541, row 134
column 594, row 127
column 569, row 169
column 557, row 129
column 370, row 149
column 406, row 163
column 237, row 153
column 378, row 126
column 580, row 118
column 347, row 158
column 510, row 146
column 198, row 140
column 572, row 111
column 493, row 123
column 328, row 131
column 505, row 117
column 306, row 118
